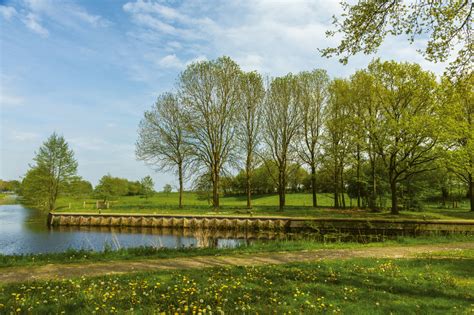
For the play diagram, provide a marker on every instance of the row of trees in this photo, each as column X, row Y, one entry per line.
column 54, row 174
column 391, row 120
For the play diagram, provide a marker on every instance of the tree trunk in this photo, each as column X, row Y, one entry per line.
column 373, row 194
column 281, row 188
column 471, row 191
column 343, row 198
column 358, row 176
column 336, row 188
column 215, row 189
column 248, row 188
column 180, row 178
column 393, row 189
column 313, row 185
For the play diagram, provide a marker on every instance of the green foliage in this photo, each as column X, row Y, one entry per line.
column 110, row 187
column 9, row 185
column 147, row 186
column 167, row 189
column 448, row 23
column 54, row 170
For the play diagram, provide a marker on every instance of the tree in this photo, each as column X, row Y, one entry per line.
column 458, row 129
column 147, row 186
column 313, row 87
column 110, row 186
column 280, row 127
column 252, row 94
column 55, row 168
column 162, row 138
column 406, row 136
column 210, row 91
column 337, row 138
column 448, row 23
column 79, row 187
column 167, row 188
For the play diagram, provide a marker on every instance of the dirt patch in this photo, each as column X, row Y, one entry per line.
column 62, row 271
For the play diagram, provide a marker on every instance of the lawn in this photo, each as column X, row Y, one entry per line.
column 128, row 254
column 426, row 285
column 298, row 205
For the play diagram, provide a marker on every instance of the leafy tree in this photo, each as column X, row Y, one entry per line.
column 79, row 187
column 406, row 134
column 458, row 127
column 162, row 138
column 252, row 94
column 9, row 185
column 337, row 138
column 55, row 167
column 134, row 188
column 313, row 87
column 448, row 24
column 281, row 126
column 109, row 187
column 147, row 186
column 210, row 91
column 167, row 189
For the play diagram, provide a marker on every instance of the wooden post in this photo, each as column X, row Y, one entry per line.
column 97, row 204
column 69, row 205
column 107, row 205
column 84, row 205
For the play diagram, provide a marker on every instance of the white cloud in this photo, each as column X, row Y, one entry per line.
column 274, row 37
column 31, row 21
column 170, row 61
column 7, row 99
column 7, row 12
column 24, row 136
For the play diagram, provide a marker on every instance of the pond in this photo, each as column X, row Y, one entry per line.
column 24, row 230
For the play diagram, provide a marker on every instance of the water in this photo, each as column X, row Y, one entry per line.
column 24, row 230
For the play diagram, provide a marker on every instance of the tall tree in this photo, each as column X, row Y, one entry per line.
column 252, row 93
column 448, row 23
column 313, row 87
column 162, row 138
column 337, row 138
column 211, row 92
column 366, row 124
column 458, row 127
column 280, row 128
column 53, row 172
column 407, row 119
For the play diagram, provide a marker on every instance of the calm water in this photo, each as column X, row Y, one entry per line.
column 24, row 230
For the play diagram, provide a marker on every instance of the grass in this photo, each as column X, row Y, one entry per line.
column 79, row 256
column 356, row 286
column 298, row 205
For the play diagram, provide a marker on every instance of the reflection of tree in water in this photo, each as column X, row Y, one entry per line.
column 204, row 237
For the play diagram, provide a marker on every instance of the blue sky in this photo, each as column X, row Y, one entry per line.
column 89, row 69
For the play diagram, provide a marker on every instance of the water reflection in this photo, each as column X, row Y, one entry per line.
column 24, row 230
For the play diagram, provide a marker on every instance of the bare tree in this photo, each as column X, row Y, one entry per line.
column 210, row 93
column 161, row 138
column 280, row 127
column 252, row 93
column 313, row 97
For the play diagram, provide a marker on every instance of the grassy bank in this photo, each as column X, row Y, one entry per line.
column 444, row 285
column 7, row 199
column 298, row 205
column 78, row 256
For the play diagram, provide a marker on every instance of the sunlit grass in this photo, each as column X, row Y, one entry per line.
column 356, row 286
column 298, row 205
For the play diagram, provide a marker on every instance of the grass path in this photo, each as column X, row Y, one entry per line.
column 64, row 271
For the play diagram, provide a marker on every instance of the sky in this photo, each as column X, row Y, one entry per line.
column 89, row 69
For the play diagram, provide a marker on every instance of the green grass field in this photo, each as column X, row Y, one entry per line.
column 425, row 285
column 298, row 205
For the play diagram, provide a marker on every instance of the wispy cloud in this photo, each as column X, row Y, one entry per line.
column 7, row 12
column 32, row 22
column 24, row 136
